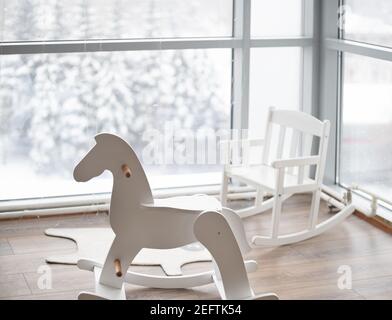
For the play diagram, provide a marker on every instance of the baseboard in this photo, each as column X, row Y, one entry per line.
column 376, row 221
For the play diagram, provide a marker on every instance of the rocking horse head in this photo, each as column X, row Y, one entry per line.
column 114, row 154
column 92, row 164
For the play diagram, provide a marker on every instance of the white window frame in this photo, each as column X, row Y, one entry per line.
column 241, row 43
column 330, row 103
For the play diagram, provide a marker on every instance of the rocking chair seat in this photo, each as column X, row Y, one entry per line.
column 197, row 203
column 265, row 176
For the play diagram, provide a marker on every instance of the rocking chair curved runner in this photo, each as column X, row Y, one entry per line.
column 282, row 177
column 140, row 221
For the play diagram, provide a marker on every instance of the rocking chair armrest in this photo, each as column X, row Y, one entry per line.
column 295, row 162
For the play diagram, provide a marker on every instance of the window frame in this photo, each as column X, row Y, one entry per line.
column 331, row 83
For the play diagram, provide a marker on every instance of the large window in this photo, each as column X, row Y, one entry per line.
column 71, row 69
column 357, row 75
column 366, row 98
column 366, row 141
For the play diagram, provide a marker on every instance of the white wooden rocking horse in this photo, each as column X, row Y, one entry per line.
column 139, row 221
column 282, row 177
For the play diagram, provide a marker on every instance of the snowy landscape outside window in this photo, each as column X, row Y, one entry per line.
column 52, row 105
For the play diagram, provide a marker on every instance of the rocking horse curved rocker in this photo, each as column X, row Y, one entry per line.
column 140, row 221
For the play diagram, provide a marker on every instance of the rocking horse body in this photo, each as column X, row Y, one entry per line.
column 140, row 222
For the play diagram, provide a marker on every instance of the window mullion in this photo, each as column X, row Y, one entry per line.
column 241, row 62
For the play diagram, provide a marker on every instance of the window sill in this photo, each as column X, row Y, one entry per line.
column 363, row 204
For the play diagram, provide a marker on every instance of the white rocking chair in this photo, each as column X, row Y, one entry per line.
column 282, row 177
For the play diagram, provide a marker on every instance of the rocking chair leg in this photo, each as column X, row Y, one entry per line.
column 278, row 199
column 259, row 197
column 314, row 209
column 276, row 211
column 224, row 190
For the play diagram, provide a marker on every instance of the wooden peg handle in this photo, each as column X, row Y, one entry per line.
column 126, row 170
column 117, row 268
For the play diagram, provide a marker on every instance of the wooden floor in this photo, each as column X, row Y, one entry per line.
column 307, row 270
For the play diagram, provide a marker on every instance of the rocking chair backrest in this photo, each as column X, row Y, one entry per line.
column 304, row 128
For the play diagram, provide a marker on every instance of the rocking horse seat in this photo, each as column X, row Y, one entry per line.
column 265, row 175
column 196, row 203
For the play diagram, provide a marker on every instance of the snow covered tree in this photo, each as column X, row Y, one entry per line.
column 15, row 80
column 64, row 99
